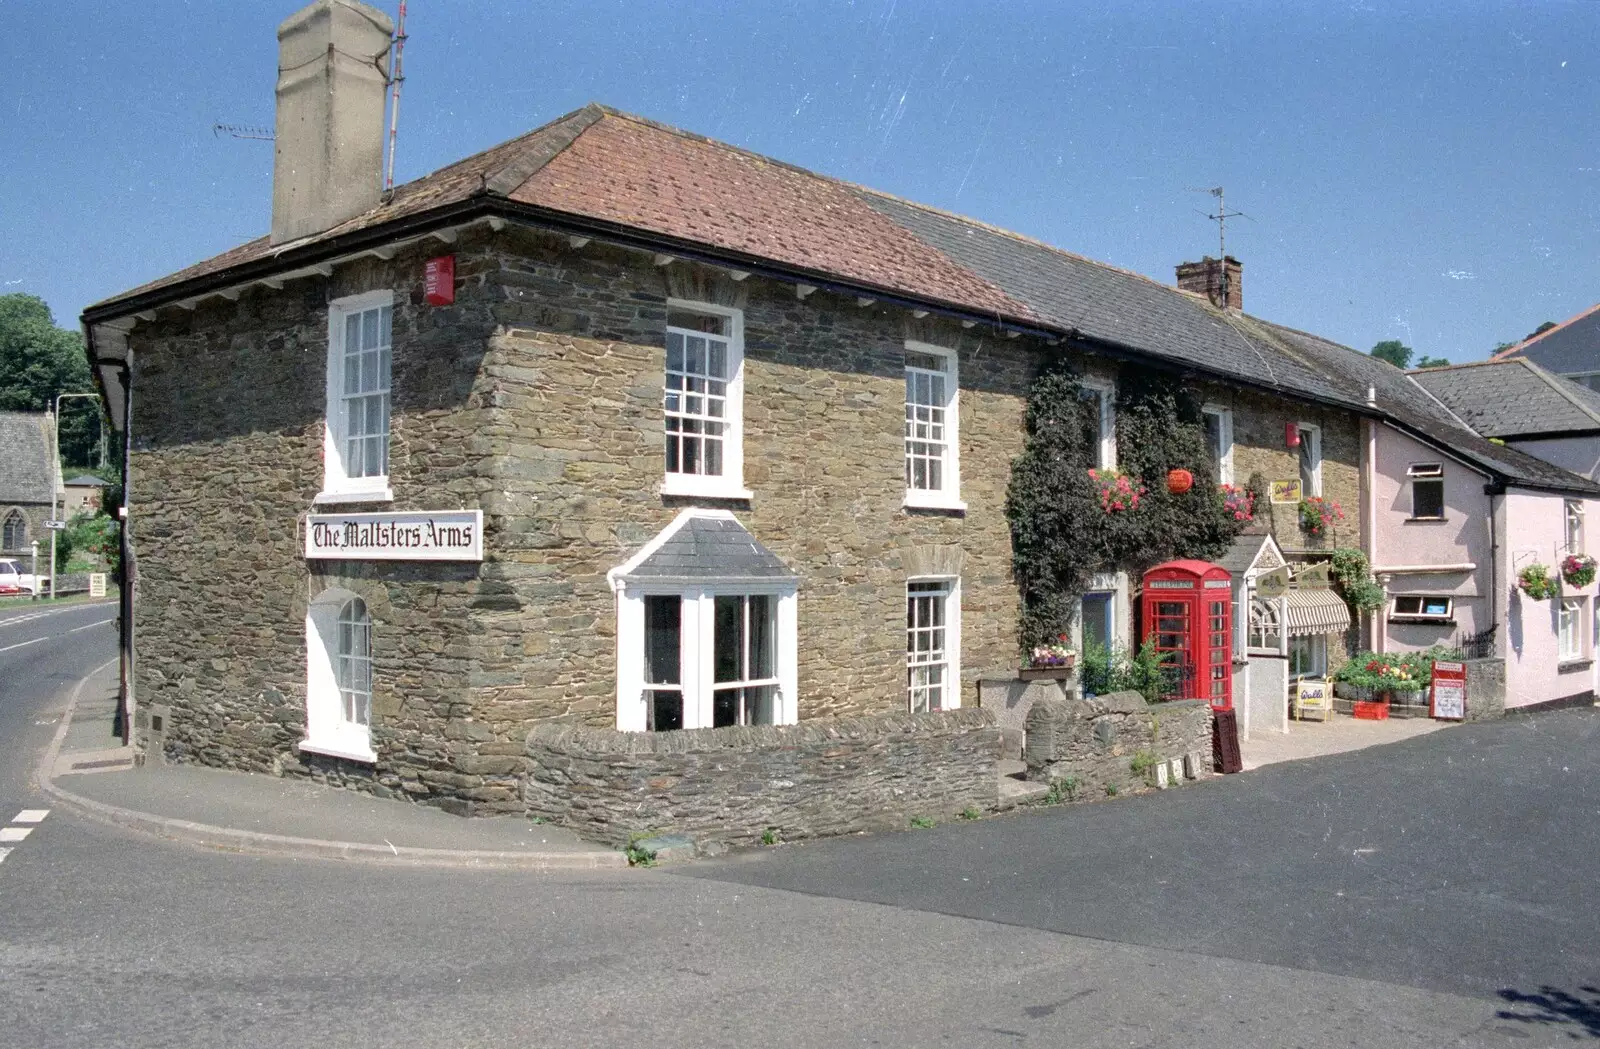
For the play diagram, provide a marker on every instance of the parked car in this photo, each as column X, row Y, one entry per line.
column 13, row 580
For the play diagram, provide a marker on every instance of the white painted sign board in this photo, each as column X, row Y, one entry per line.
column 97, row 584
column 424, row 535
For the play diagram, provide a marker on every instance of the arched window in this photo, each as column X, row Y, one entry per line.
column 16, row 531
column 339, row 677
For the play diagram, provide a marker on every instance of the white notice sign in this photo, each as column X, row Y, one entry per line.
column 428, row 535
column 97, row 584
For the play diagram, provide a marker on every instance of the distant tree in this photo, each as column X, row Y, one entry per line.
column 1432, row 362
column 1540, row 330
column 38, row 361
column 1394, row 351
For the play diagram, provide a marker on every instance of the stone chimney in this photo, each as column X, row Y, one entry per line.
column 333, row 70
column 1220, row 280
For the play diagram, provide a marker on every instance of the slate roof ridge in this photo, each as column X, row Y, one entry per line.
column 1014, row 235
column 1513, row 351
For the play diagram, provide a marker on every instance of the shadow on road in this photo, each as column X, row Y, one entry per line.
column 1577, row 1015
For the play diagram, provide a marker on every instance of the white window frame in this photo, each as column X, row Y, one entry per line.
column 1110, row 598
column 730, row 483
column 1574, row 525
column 1310, row 432
column 948, row 495
column 697, row 650
column 1107, row 389
column 1225, row 435
column 1426, row 473
column 337, row 485
column 1569, row 629
column 328, row 730
column 951, row 685
column 1422, row 601
column 1317, row 644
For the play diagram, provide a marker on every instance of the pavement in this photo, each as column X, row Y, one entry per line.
column 249, row 812
column 1340, row 733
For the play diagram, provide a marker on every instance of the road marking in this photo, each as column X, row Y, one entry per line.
column 30, row 816
column 3, row 854
column 24, row 644
column 86, row 626
column 14, row 833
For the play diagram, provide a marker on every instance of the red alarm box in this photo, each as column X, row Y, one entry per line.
column 439, row 280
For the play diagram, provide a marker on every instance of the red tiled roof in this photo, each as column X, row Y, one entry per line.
column 602, row 164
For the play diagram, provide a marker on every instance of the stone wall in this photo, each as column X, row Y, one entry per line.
column 35, row 515
column 730, row 785
column 1113, row 744
column 1486, row 688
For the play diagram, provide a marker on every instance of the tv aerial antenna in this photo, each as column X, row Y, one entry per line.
column 259, row 134
column 1221, row 218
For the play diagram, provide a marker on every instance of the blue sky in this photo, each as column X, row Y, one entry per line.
column 1427, row 172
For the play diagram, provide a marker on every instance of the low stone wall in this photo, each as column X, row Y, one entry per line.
column 1009, row 698
column 1117, row 743
column 1486, row 688
column 729, row 785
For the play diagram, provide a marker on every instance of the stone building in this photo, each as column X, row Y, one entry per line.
column 28, row 478
column 609, row 423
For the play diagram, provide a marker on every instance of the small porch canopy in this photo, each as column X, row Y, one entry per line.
column 1316, row 612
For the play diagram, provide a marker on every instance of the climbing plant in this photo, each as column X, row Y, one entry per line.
column 1064, row 528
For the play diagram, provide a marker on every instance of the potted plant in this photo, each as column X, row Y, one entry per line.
column 1578, row 570
column 1055, row 659
column 1536, row 582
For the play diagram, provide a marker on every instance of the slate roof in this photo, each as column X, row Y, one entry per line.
column 711, row 549
column 84, row 481
column 25, row 473
column 1513, row 398
column 601, row 172
column 1242, row 552
column 1570, row 348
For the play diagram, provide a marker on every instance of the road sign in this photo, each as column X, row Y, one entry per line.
column 55, row 526
column 97, row 584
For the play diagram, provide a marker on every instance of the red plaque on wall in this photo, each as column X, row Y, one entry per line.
column 439, row 280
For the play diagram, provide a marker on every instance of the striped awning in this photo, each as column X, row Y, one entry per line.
column 1316, row 612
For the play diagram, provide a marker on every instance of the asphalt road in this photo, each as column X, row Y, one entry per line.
column 108, row 938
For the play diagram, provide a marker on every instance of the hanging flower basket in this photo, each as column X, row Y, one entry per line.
column 1535, row 581
column 1578, row 569
column 1118, row 491
column 1179, row 481
column 1317, row 515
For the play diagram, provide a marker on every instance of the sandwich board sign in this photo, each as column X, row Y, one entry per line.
column 1449, row 701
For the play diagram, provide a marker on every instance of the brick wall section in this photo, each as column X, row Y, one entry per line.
column 821, row 777
column 1096, row 743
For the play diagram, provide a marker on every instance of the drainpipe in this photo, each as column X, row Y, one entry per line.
column 1496, row 491
column 1378, row 625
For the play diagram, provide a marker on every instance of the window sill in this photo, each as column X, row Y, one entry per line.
column 1427, row 520
column 382, row 495
column 1568, row 666
column 349, row 751
column 918, row 499
column 1441, row 620
column 704, row 488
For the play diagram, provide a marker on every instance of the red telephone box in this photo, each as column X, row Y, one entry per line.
column 1188, row 610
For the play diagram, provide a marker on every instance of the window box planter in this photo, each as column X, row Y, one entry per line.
column 1061, row 673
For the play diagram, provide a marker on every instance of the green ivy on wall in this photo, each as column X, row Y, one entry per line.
column 1063, row 529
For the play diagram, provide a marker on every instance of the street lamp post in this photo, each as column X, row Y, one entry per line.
column 55, row 482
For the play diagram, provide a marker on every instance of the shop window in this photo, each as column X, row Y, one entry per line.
column 1570, row 629
column 1310, row 459
column 1266, row 630
column 16, row 531
column 1427, row 491
column 1419, row 607
column 933, row 645
column 339, row 677
column 1308, row 655
column 1098, row 627
column 1100, row 394
column 711, row 660
column 933, row 467
column 1219, row 439
column 355, row 451
column 702, row 402
column 1574, row 515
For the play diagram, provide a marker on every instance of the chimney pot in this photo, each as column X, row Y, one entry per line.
column 1220, row 280
column 333, row 70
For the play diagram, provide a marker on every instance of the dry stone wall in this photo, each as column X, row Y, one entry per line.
column 1113, row 744
column 731, row 785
